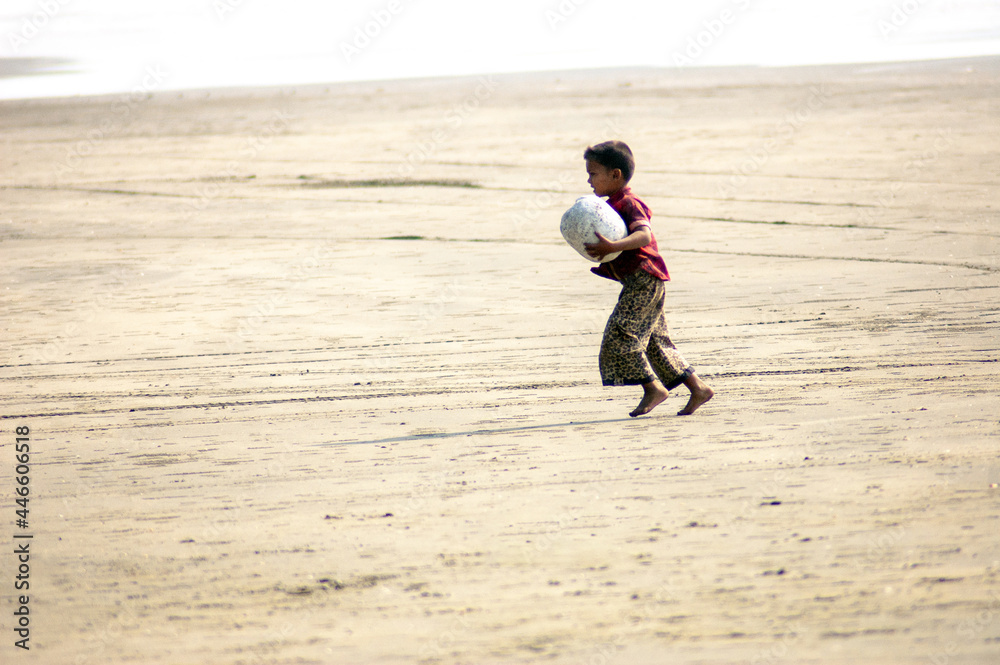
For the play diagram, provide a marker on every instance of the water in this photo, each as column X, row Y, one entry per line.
column 70, row 47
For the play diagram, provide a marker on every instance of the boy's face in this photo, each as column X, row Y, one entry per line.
column 602, row 180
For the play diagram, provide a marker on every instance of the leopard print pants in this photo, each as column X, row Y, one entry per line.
column 636, row 347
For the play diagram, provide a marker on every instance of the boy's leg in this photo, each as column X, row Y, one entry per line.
column 623, row 358
column 666, row 360
column 700, row 393
column 653, row 393
column 673, row 370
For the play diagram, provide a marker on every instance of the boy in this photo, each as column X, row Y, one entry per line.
column 636, row 348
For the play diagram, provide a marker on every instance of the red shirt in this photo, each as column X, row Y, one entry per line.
column 636, row 215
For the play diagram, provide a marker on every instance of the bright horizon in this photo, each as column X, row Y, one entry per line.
column 112, row 45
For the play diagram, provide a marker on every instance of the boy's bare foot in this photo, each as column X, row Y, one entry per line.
column 653, row 394
column 700, row 393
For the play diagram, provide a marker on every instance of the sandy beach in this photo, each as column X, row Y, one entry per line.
column 310, row 377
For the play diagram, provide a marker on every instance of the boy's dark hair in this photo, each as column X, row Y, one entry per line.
column 612, row 155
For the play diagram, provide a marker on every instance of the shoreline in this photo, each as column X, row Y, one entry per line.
column 723, row 72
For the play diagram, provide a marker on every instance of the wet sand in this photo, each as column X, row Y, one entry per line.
column 310, row 375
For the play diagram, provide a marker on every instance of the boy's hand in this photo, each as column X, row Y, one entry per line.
column 601, row 248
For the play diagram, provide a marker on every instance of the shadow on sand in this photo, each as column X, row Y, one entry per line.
column 474, row 432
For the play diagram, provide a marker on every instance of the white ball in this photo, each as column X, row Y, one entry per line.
column 587, row 215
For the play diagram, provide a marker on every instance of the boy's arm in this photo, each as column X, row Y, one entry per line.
column 638, row 238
